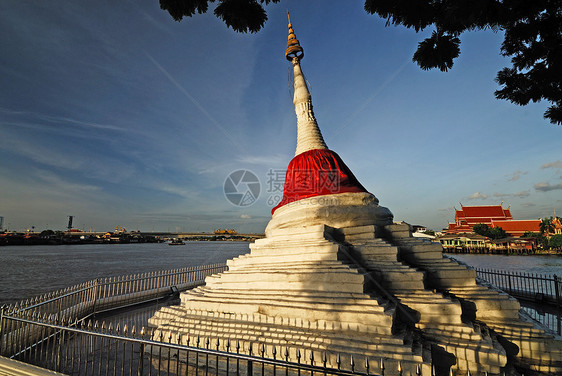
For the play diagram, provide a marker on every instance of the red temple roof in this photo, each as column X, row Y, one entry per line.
column 518, row 227
column 468, row 216
column 487, row 211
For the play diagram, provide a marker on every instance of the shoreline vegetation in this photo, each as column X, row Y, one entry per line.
column 506, row 252
column 49, row 237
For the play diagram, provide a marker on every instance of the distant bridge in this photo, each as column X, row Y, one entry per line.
column 184, row 235
column 166, row 234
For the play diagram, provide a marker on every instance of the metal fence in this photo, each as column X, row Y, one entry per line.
column 40, row 331
column 55, row 331
column 105, row 294
column 84, row 300
column 80, row 348
column 527, row 286
column 542, row 294
column 552, row 319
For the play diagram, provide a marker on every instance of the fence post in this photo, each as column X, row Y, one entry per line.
column 158, row 283
column 509, row 282
column 1, row 326
column 60, row 310
column 96, row 285
column 250, row 366
column 557, row 291
column 58, row 359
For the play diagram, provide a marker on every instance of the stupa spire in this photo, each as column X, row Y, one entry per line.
column 309, row 136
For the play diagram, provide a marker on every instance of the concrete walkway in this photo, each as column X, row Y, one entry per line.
column 10, row 367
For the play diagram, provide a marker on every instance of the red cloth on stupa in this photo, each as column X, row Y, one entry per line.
column 315, row 173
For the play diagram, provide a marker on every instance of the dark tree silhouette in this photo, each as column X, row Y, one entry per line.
column 242, row 15
column 490, row 232
column 533, row 40
column 481, row 229
column 532, row 28
column 546, row 226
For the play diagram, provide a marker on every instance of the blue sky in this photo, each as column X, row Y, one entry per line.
column 118, row 115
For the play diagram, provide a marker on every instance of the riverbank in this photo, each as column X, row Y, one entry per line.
column 77, row 238
column 541, row 264
column 505, row 252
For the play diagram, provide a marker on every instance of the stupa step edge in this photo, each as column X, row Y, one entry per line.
column 433, row 310
column 530, row 346
column 336, row 275
column 327, row 300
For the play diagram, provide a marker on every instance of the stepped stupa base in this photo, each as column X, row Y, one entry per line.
column 335, row 291
column 342, row 292
column 335, row 278
column 526, row 344
column 297, row 291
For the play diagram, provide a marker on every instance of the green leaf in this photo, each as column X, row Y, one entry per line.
column 437, row 51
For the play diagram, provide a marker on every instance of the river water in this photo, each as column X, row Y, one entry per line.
column 531, row 264
column 28, row 271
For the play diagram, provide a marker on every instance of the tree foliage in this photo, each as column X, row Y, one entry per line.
column 555, row 241
column 46, row 233
column 242, row 15
column 546, row 226
column 497, row 233
column 530, row 234
column 489, row 232
column 532, row 36
column 481, row 229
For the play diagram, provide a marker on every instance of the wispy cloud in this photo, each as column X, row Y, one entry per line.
column 556, row 164
column 38, row 121
column 42, row 154
column 448, row 210
column 477, row 196
column 546, row 186
column 70, row 158
column 58, row 184
column 245, row 216
column 195, row 102
column 159, row 25
column 516, row 175
column 371, row 97
column 518, row 194
column 272, row 161
column 175, row 190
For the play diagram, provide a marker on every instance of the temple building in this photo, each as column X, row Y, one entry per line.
column 468, row 216
column 517, row 227
column 492, row 216
column 557, row 224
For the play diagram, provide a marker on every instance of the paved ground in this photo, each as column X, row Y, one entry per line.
column 9, row 367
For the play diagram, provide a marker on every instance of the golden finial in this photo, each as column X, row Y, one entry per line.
column 294, row 49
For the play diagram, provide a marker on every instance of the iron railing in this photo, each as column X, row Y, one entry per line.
column 551, row 319
column 541, row 292
column 527, row 286
column 39, row 332
column 90, row 298
column 80, row 348
column 104, row 294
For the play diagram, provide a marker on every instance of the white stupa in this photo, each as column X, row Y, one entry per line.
column 324, row 281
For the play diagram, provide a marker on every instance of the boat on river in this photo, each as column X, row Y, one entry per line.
column 176, row 241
